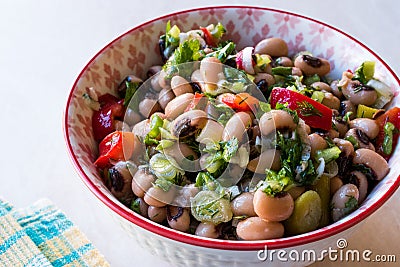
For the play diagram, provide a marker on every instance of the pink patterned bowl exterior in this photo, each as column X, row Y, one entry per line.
column 136, row 50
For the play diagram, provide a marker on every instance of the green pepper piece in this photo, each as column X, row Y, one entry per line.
column 323, row 188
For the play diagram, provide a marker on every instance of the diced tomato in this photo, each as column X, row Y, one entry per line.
column 195, row 101
column 103, row 120
column 107, row 99
column 393, row 116
column 115, row 147
column 239, row 102
column 312, row 112
column 208, row 37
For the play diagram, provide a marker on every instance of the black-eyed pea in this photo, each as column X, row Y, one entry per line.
column 336, row 183
column 165, row 96
column 345, row 146
column 207, row 229
column 372, row 160
column 344, row 201
column 321, row 86
column 236, row 126
column 360, row 180
column 359, row 93
column 268, row 159
column 268, row 78
column 368, row 126
column 148, row 106
column 210, row 68
column 142, row 181
column 335, row 89
column 310, row 65
column 178, row 218
column 177, row 106
column 157, row 197
column 273, row 208
column 296, row 191
column 180, row 86
column 331, row 101
column 297, row 71
column 242, row 205
column 157, row 214
column 275, row 47
column 284, row 62
column 276, row 119
column 345, row 107
column 142, row 207
column 255, row 228
column 317, row 143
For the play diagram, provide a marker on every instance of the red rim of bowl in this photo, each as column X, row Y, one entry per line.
column 216, row 243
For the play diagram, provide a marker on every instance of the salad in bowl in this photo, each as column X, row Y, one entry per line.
column 250, row 144
column 212, row 134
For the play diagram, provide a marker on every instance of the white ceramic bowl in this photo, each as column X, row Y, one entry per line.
column 136, row 50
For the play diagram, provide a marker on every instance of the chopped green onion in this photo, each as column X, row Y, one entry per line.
column 365, row 72
column 385, row 93
column 209, row 206
column 166, row 168
column 318, row 96
column 284, row 71
column 353, row 141
column 328, row 154
column 387, row 144
column 312, row 79
column 262, row 61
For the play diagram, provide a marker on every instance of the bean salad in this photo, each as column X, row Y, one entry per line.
column 243, row 144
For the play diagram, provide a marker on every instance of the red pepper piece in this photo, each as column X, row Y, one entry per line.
column 115, row 147
column 312, row 112
column 392, row 115
column 210, row 40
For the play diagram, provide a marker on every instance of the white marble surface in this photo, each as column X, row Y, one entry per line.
column 44, row 45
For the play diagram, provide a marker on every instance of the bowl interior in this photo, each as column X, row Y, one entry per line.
column 135, row 51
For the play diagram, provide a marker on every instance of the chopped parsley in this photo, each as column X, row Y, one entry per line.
column 307, row 109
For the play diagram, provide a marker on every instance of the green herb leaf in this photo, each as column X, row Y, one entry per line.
column 135, row 205
column 187, row 51
column 353, row 141
column 284, row 107
column 222, row 53
column 218, row 31
column 307, row 109
column 230, row 148
column 131, row 88
column 275, row 182
column 312, row 79
column 350, row 205
column 296, row 166
column 171, row 35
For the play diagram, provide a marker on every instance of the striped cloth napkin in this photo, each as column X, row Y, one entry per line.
column 41, row 235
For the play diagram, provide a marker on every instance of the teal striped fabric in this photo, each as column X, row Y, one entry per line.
column 41, row 235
